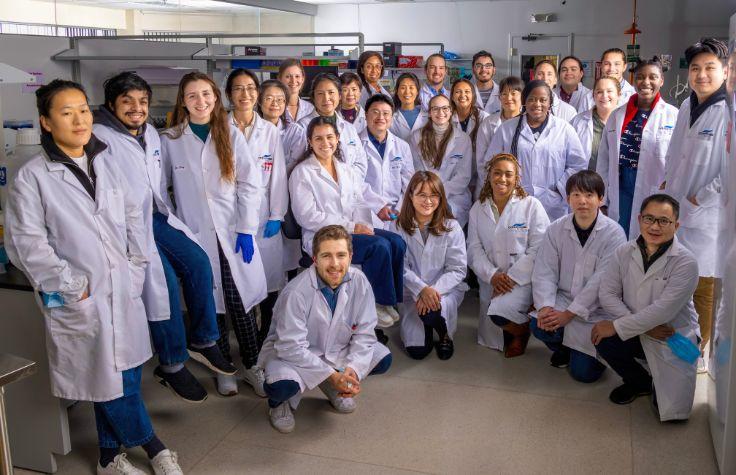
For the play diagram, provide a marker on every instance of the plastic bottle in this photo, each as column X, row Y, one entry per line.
column 28, row 145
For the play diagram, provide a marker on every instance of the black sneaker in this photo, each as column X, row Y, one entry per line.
column 182, row 383
column 626, row 393
column 445, row 348
column 560, row 358
column 212, row 358
column 381, row 337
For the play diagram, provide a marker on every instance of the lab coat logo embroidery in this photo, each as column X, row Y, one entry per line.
column 156, row 153
column 3, row 176
column 518, row 226
column 267, row 163
column 706, row 133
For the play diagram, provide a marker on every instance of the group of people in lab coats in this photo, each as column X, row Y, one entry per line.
column 588, row 217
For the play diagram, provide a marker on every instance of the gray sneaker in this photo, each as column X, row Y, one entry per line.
column 344, row 405
column 281, row 418
column 255, row 377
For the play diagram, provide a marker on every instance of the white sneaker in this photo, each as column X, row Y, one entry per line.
column 392, row 311
column 702, row 365
column 255, row 377
column 119, row 466
column 385, row 320
column 282, row 418
column 166, row 463
column 344, row 405
column 226, row 385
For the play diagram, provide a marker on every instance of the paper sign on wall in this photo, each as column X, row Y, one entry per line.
column 31, row 87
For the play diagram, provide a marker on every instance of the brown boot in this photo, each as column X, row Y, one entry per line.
column 520, row 339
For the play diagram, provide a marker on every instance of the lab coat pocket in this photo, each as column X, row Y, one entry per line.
column 589, row 265
column 137, row 277
column 658, row 285
column 115, row 205
column 345, row 333
column 516, row 239
column 75, row 320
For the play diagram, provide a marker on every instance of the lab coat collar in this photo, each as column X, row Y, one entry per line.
column 58, row 160
column 570, row 226
column 342, row 297
column 674, row 251
column 486, row 206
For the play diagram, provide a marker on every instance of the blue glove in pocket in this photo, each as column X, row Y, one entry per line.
column 52, row 299
column 683, row 348
column 244, row 243
column 273, row 226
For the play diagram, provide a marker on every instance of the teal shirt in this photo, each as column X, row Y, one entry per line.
column 200, row 130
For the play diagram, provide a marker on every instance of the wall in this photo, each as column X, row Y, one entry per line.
column 33, row 11
column 466, row 27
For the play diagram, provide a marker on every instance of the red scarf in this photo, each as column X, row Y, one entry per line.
column 632, row 109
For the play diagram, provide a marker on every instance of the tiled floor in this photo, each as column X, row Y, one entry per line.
column 476, row 413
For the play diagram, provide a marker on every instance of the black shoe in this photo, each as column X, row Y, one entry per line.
column 445, row 348
column 182, row 383
column 625, row 394
column 212, row 358
column 382, row 338
column 560, row 358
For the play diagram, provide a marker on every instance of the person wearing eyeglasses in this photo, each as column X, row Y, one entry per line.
column 631, row 156
column 648, row 290
column 370, row 70
column 570, row 88
column 545, row 71
column 486, row 90
column 264, row 141
column 390, row 164
column 436, row 71
column 443, row 148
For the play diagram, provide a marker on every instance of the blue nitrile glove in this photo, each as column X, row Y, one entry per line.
column 272, row 228
column 683, row 348
column 52, row 299
column 244, row 243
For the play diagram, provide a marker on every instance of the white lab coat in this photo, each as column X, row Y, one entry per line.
column 482, row 115
column 627, row 90
column 508, row 245
column 143, row 172
column 455, row 170
column 57, row 234
column 563, row 110
column 305, row 109
column 387, row 176
column 426, row 93
column 307, row 343
column 350, row 145
column 640, row 301
column 400, row 127
column 655, row 140
column 583, row 125
column 217, row 211
column 440, row 263
column 322, row 201
column 493, row 105
column 360, row 122
column 546, row 163
column 366, row 93
column 692, row 168
column 294, row 142
column 268, row 151
column 567, row 275
column 581, row 100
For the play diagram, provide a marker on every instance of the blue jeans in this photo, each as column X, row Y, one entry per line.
column 183, row 258
column 626, row 184
column 381, row 257
column 124, row 421
column 281, row 391
column 583, row 368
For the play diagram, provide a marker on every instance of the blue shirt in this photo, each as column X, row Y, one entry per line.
column 380, row 146
column 329, row 293
column 628, row 153
column 411, row 115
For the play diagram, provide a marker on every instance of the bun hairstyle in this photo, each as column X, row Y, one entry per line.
column 617, row 84
column 574, row 58
column 474, row 109
column 362, row 59
column 268, row 84
column 642, row 63
column 324, row 77
column 407, row 77
column 234, row 74
column 707, row 45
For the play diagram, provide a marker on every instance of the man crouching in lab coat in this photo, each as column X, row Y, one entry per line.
column 322, row 333
column 648, row 288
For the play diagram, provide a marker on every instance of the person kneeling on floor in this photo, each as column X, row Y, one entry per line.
column 648, row 288
column 567, row 272
column 322, row 333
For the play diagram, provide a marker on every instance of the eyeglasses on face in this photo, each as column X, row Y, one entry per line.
column 649, row 220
